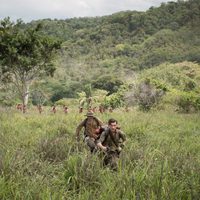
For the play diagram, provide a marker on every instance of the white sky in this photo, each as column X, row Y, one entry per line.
column 28, row 10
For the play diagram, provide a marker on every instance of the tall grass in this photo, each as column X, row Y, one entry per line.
column 40, row 159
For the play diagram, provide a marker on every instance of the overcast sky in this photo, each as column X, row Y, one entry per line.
column 29, row 10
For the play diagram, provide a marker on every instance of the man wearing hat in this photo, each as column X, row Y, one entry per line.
column 92, row 126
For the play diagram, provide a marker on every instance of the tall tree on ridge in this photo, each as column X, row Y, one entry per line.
column 25, row 55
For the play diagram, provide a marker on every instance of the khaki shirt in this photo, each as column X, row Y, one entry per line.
column 112, row 142
column 90, row 124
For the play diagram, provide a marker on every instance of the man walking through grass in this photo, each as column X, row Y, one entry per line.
column 92, row 130
column 111, row 143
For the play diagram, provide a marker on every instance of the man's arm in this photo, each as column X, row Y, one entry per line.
column 101, row 140
column 101, row 146
column 78, row 129
column 123, row 138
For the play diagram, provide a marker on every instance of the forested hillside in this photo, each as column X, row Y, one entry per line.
column 125, row 42
column 111, row 50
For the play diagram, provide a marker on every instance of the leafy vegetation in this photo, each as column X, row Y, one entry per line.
column 25, row 55
column 106, row 52
column 179, row 81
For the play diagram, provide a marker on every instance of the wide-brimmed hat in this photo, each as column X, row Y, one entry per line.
column 90, row 114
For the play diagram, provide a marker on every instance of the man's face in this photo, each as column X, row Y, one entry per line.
column 113, row 126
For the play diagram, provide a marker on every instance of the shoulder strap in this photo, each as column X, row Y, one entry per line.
column 113, row 139
column 106, row 131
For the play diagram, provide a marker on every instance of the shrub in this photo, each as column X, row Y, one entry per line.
column 116, row 99
column 54, row 149
column 188, row 102
column 108, row 83
column 147, row 95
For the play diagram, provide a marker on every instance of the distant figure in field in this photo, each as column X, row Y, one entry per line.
column 126, row 109
column 80, row 109
column 101, row 109
column 94, row 109
column 39, row 108
column 91, row 126
column 53, row 109
column 19, row 106
column 65, row 108
column 110, row 110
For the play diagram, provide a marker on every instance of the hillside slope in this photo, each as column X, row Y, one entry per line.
column 120, row 45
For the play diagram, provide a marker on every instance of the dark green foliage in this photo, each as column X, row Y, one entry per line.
column 25, row 55
column 116, row 99
column 180, row 82
column 188, row 102
column 109, row 83
column 136, row 39
column 170, row 15
column 118, row 45
column 25, row 49
column 60, row 91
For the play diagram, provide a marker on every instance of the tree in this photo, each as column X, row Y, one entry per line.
column 25, row 55
column 108, row 83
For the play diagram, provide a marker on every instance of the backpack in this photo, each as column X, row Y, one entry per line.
column 88, row 126
column 86, row 120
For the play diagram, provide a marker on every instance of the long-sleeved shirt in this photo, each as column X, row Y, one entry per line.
column 112, row 141
column 90, row 124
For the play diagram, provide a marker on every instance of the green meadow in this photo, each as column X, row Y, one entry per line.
column 40, row 158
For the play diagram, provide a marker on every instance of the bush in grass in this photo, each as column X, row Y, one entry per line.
column 147, row 95
column 116, row 99
column 54, row 148
column 71, row 170
column 188, row 102
column 189, row 85
column 82, row 170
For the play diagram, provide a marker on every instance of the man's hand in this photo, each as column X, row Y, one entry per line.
column 105, row 149
column 94, row 136
column 119, row 149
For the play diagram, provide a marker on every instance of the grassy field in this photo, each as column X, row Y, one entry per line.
column 40, row 159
